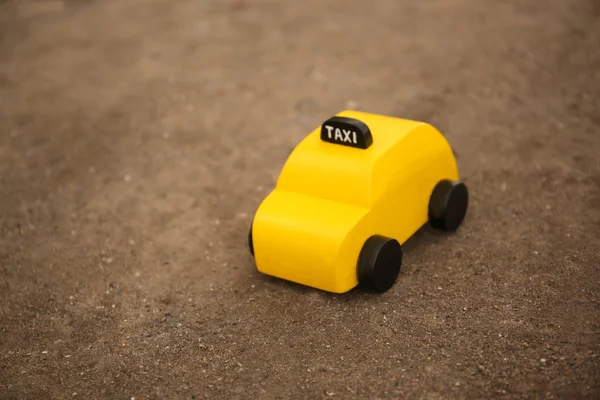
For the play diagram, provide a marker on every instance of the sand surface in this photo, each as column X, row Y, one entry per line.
column 138, row 137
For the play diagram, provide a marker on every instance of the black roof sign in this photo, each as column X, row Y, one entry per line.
column 347, row 132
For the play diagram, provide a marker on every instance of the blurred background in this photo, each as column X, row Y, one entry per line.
column 137, row 138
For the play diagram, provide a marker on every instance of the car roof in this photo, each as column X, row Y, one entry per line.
column 353, row 175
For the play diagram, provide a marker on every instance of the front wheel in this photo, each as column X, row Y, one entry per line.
column 250, row 242
column 379, row 263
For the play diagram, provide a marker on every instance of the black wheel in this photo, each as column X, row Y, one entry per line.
column 448, row 205
column 379, row 263
column 250, row 244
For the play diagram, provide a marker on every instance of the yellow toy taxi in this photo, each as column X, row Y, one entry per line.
column 349, row 196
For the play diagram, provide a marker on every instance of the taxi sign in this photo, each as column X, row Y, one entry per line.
column 347, row 132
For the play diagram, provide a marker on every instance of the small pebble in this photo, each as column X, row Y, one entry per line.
column 318, row 76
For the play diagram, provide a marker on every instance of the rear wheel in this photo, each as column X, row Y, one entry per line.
column 448, row 205
column 379, row 263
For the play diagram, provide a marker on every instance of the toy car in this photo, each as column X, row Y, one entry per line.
column 349, row 195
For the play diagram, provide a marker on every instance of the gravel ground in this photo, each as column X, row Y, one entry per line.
column 138, row 137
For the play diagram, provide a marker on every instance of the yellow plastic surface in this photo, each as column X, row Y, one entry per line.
column 330, row 198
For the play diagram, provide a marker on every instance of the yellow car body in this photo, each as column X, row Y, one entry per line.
column 330, row 198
